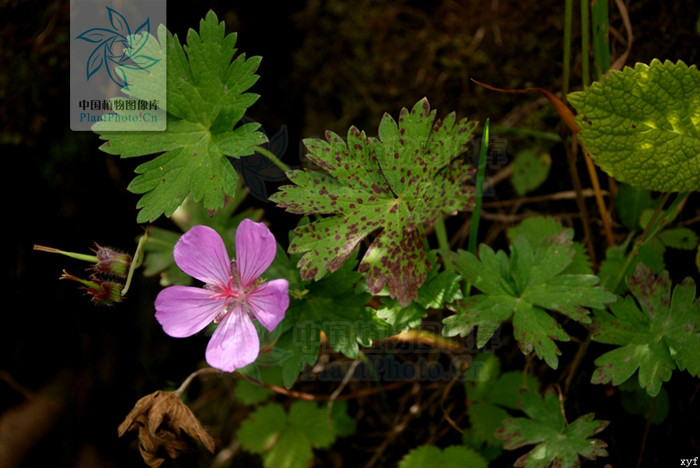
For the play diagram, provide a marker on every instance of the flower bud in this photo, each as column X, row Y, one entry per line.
column 102, row 292
column 111, row 262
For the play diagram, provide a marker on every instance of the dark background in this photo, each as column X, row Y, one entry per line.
column 73, row 370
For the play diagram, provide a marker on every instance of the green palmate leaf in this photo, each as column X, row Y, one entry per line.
column 205, row 101
column 451, row 457
column 530, row 170
column 389, row 185
column 642, row 125
column 663, row 335
column 285, row 440
column 489, row 398
column 540, row 228
column 439, row 289
column 558, row 444
column 335, row 306
column 524, row 287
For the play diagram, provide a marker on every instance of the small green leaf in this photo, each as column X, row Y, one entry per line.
column 630, row 203
column 388, row 186
column 679, row 238
column 489, row 398
column 251, row 394
column 313, row 422
column 402, row 318
column 530, row 170
column 285, row 440
column 205, row 101
column 539, row 229
column 524, row 287
column 292, row 450
column 557, row 444
column 663, row 335
column 641, row 125
column 335, row 306
column 159, row 257
column 440, row 290
column 636, row 400
column 262, row 428
column 651, row 255
column 343, row 424
column 454, row 456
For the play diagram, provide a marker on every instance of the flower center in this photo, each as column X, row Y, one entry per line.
column 230, row 293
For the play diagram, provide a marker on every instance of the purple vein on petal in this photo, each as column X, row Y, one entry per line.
column 201, row 253
column 255, row 250
column 185, row 310
column 269, row 301
column 235, row 342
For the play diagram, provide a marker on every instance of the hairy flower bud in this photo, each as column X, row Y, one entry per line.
column 102, row 292
column 111, row 262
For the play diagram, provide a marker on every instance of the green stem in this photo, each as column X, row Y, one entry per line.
column 585, row 40
column 654, row 225
column 135, row 262
column 583, row 347
column 601, row 45
column 441, row 234
column 272, row 157
column 443, row 243
column 78, row 256
column 478, row 196
column 568, row 15
column 479, row 190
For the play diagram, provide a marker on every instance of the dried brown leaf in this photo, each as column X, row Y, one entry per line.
column 160, row 418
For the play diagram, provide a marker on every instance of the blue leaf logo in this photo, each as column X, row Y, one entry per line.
column 117, row 47
column 256, row 169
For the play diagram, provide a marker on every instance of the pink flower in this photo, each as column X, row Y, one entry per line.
column 232, row 293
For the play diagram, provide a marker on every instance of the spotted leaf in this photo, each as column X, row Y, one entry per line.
column 386, row 187
column 663, row 335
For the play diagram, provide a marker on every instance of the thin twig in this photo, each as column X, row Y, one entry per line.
column 343, row 384
column 190, row 378
column 445, row 413
column 604, row 215
column 313, row 397
column 576, row 180
column 646, row 433
column 564, row 195
column 561, row 403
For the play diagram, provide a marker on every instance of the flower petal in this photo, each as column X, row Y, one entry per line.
column 255, row 250
column 201, row 253
column 235, row 342
column 184, row 310
column 269, row 302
